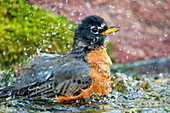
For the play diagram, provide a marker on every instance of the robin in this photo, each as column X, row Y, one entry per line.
column 75, row 75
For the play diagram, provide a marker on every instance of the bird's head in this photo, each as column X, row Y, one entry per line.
column 92, row 32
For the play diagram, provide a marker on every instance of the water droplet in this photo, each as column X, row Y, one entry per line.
column 53, row 9
column 134, row 53
column 26, row 18
column 44, row 17
column 128, row 51
column 104, row 68
column 4, row 53
column 111, row 6
column 48, row 34
column 118, row 17
column 54, row 33
column 46, row 50
column 68, row 46
column 128, row 15
column 73, row 12
column 158, row 2
column 160, row 39
column 120, row 11
column 79, row 18
column 132, row 26
column 70, row 26
column 145, row 10
column 114, row 33
column 50, row 46
column 161, row 74
column 165, row 34
column 58, row 24
column 51, row 67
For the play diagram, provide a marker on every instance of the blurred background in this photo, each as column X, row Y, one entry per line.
column 145, row 25
column 29, row 27
column 140, row 51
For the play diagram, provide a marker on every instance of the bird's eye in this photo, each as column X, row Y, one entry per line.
column 95, row 30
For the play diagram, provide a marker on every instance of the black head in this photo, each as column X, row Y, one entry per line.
column 90, row 33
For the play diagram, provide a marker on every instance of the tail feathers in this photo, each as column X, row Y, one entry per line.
column 13, row 91
column 6, row 92
column 31, row 90
column 71, row 87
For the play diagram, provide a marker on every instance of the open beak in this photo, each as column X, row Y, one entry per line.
column 111, row 30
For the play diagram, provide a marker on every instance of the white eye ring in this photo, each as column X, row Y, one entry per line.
column 94, row 30
column 102, row 25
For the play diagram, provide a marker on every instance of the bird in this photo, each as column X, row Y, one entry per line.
column 75, row 75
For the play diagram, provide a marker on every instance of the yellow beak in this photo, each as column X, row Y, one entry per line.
column 111, row 30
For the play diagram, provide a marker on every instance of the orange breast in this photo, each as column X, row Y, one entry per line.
column 100, row 74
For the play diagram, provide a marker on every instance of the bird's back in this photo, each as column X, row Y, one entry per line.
column 49, row 70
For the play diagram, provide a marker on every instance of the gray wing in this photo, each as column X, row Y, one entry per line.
column 41, row 70
column 70, row 78
column 71, row 70
column 50, row 75
column 67, row 79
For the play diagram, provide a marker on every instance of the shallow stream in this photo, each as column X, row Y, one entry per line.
column 138, row 87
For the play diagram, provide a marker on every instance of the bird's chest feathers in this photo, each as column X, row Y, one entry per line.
column 100, row 61
column 99, row 57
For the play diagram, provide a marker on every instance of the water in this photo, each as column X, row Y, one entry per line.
column 135, row 89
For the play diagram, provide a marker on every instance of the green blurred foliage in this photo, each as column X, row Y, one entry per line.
column 25, row 28
column 110, row 47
